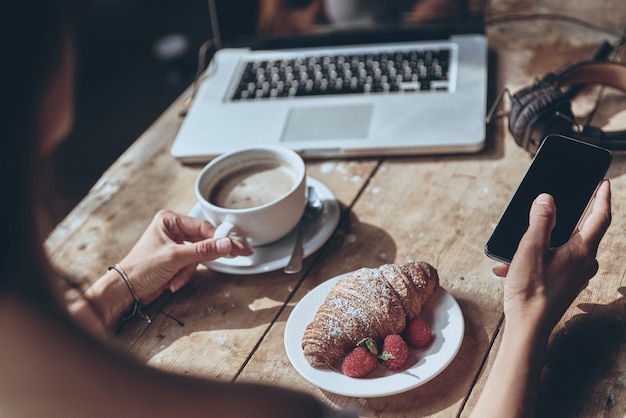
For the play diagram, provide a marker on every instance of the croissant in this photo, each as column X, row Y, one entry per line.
column 369, row 302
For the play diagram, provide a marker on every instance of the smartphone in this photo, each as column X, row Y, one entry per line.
column 568, row 169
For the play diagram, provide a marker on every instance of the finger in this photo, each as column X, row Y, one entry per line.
column 194, row 229
column 186, row 228
column 210, row 249
column 542, row 219
column 239, row 248
column 181, row 228
column 596, row 225
column 536, row 241
column 501, row 271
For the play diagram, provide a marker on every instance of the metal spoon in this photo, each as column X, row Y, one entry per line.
column 314, row 206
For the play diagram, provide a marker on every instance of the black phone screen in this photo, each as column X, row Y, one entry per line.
column 569, row 170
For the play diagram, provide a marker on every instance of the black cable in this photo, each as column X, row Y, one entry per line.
column 202, row 52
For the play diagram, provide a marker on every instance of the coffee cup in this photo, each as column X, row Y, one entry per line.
column 255, row 194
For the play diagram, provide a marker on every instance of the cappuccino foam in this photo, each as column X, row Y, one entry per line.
column 252, row 185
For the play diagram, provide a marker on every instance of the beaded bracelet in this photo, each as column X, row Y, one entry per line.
column 137, row 305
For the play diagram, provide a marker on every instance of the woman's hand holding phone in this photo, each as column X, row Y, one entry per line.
column 567, row 169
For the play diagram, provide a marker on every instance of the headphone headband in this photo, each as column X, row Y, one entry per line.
column 606, row 73
column 544, row 108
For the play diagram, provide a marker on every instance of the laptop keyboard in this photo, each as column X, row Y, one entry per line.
column 395, row 72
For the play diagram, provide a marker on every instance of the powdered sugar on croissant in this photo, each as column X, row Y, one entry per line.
column 369, row 302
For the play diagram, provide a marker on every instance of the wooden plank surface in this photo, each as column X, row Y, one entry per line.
column 440, row 209
column 227, row 315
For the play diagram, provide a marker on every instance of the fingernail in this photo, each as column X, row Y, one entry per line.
column 543, row 199
column 223, row 245
column 175, row 286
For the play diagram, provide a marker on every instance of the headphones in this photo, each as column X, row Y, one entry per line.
column 545, row 107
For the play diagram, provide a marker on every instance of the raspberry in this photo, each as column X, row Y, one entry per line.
column 359, row 362
column 418, row 334
column 395, row 352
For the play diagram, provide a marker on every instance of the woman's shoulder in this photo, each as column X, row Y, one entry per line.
column 40, row 350
column 49, row 364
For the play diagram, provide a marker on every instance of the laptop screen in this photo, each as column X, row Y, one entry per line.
column 302, row 23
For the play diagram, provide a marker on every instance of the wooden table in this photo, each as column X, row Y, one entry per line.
column 440, row 209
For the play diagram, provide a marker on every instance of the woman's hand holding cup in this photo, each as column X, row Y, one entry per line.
column 256, row 195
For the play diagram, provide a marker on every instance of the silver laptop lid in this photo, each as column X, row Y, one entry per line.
column 427, row 120
column 268, row 24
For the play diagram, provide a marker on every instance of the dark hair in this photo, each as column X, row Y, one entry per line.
column 34, row 35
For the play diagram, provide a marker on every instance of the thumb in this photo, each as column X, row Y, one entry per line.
column 542, row 219
column 205, row 250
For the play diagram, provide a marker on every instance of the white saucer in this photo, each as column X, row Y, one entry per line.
column 442, row 313
column 276, row 255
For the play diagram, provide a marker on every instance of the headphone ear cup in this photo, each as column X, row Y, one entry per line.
column 534, row 115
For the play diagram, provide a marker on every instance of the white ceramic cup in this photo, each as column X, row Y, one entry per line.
column 257, row 194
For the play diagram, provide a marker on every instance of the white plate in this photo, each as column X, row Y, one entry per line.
column 442, row 313
column 276, row 255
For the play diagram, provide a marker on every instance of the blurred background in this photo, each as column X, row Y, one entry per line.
column 134, row 58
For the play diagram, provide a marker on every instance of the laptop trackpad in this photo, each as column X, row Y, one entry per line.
column 328, row 122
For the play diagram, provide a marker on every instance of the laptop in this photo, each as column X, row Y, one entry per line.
column 341, row 78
